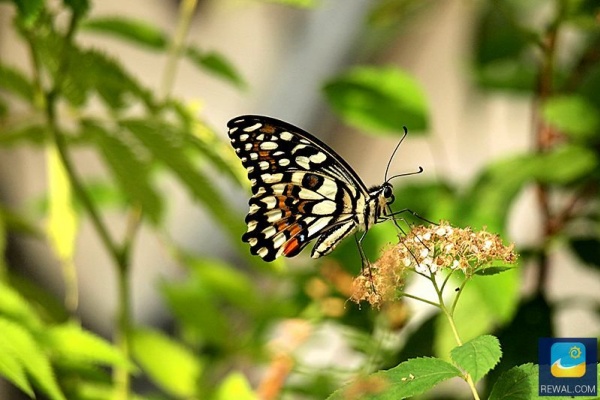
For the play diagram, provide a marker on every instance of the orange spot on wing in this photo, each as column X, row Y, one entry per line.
column 291, row 247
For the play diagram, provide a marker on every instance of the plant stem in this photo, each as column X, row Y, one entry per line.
column 186, row 12
column 449, row 313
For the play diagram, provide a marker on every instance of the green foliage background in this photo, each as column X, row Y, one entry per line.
column 223, row 314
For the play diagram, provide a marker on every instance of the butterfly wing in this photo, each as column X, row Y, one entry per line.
column 301, row 189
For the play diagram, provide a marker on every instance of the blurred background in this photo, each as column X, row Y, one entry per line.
column 482, row 132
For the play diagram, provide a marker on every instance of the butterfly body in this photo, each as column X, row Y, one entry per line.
column 301, row 190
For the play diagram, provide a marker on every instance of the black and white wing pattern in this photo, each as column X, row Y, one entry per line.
column 301, row 190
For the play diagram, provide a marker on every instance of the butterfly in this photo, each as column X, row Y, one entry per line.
column 302, row 190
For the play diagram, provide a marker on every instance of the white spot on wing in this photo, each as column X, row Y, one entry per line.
column 286, row 136
column 264, row 165
column 284, row 162
column 279, row 240
column 269, row 231
column 269, row 201
column 272, row 178
column 263, row 251
column 319, row 225
column 324, row 207
column 318, row 158
column 253, row 127
column 244, row 137
column 232, row 130
column 303, row 162
column 268, row 146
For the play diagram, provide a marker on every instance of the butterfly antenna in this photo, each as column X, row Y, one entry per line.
column 394, row 153
column 406, row 174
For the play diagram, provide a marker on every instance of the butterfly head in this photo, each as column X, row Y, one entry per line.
column 387, row 192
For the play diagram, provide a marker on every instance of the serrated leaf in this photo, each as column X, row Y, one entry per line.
column 515, row 384
column 235, row 386
column 572, row 115
column 131, row 172
column 478, row 356
column 11, row 367
column 17, row 308
column 170, row 365
column 165, row 144
column 216, row 64
column 22, row 346
column 135, row 31
column 377, row 99
column 409, row 378
column 492, row 270
column 92, row 71
column 13, row 81
column 70, row 343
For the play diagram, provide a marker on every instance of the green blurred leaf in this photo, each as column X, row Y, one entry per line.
column 69, row 343
column 17, row 308
column 572, row 115
column 216, row 64
column 62, row 224
column 29, row 10
column 11, row 366
column 130, row 170
column 409, row 378
column 490, row 301
column 379, row 99
column 13, row 81
column 22, row 347
column 533, row 319
column 235, row 386
column 79, row 7
column 478, row 356
column 32, row 134
column 516, row 383
column 503, row 48
column 136, row 31
column 165, row 144
column 91, row 71
column 171, row 366
column 576, row 162
column 589, row 87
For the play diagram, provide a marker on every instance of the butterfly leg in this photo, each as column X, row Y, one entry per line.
column 365, row 261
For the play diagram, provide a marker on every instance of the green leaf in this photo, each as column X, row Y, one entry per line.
column 130, row 170
column 216, row 64
column 32, row 134
column 13, row 81
column 21, row 346
column 170, row 365
column 69, row 343
column 484, row 304
column 478, row 356
column 165, row 144
column 379, row 99
column 136, row 31
column 516, row 384
column 235, row 386
column 91, row 71
column 409, row 378
column 572, row 115
column 17, row 308
column 79, row 7
column 502, row 48
column 62, row 219
column 492, row 270
column 10, row 365
column 576, row 162
column 29, row 10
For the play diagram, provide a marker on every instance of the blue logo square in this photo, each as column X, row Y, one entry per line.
column 568, row 366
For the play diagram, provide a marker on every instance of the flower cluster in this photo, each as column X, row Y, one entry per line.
column 427, row 250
